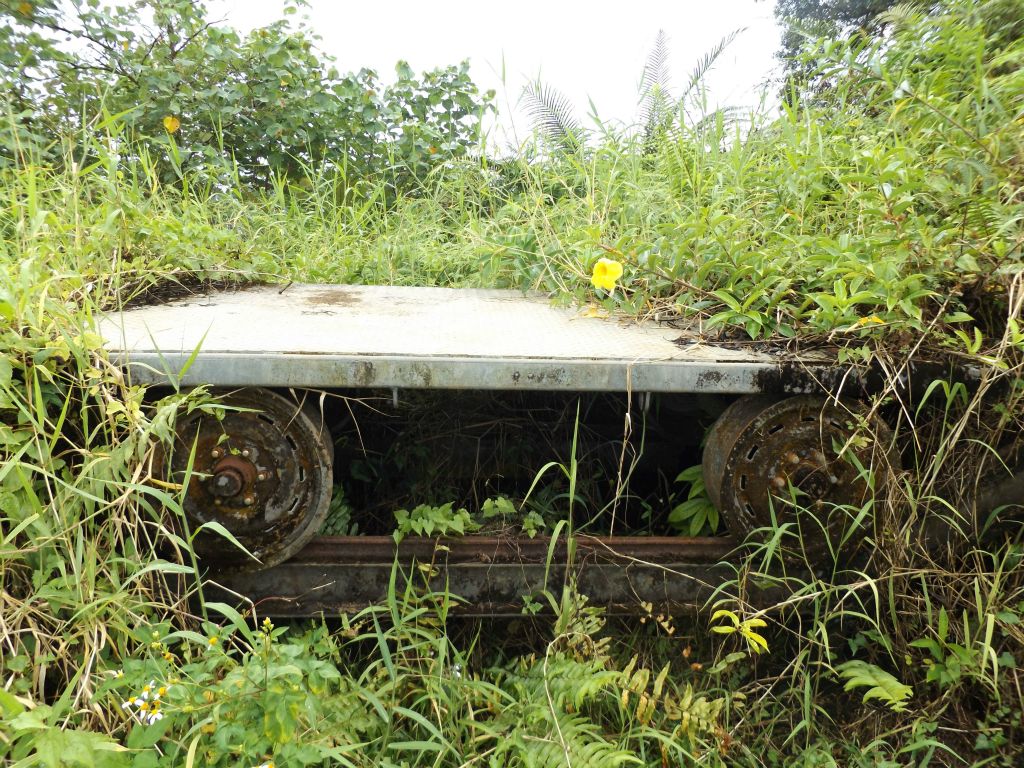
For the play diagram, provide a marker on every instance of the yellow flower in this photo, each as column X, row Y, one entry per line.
column 606, row 272
column 213, row 640
column 171, row 124
column 154, row 714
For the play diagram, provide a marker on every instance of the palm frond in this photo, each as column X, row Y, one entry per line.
column 552, row 116
column 900, row 15
column 654, row 85
column 705, row 64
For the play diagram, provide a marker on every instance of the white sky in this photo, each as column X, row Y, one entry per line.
column 590, row 51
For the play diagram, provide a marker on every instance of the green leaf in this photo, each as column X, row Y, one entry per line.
column 880, row 684
column 690, row 474
column 9, row 706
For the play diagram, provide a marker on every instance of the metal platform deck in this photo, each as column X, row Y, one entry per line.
column 425, row 338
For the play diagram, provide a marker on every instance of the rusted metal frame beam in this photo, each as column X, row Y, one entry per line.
column 489, row 576
column 515, row 549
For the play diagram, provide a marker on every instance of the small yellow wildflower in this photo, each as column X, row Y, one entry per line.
column 168, row 656
column 213, row 640
column 606, row 273
column 171, row 124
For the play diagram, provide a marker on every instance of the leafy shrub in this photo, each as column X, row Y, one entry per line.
column 198, row 95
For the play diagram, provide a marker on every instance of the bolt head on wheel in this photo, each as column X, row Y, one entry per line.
column 261, row 468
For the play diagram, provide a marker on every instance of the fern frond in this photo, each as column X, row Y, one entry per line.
column 568, row 682
column 552, row 116
column 572, row 740
column 697, row 715
column 880, row 684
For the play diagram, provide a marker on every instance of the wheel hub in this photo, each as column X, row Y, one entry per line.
column 262, row 471
column 232, row 480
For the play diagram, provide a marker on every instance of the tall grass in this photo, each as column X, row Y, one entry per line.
column 884, row 216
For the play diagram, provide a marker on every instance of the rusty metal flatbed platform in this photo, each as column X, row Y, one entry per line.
column 265, row 470
column 335, row 336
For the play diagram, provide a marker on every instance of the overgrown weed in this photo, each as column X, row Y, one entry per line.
column 883, row 216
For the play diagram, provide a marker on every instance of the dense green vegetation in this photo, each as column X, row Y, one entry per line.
column 880, row 210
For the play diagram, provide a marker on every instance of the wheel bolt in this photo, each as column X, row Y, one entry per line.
column 792, row 458
column 248, row 501
column 261, row 476
column 779, row 482
column 218, row 502
column 245, row 452
column 215, row 453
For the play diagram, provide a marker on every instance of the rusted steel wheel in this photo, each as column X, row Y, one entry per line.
column 263, row 471
column 761, row 446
